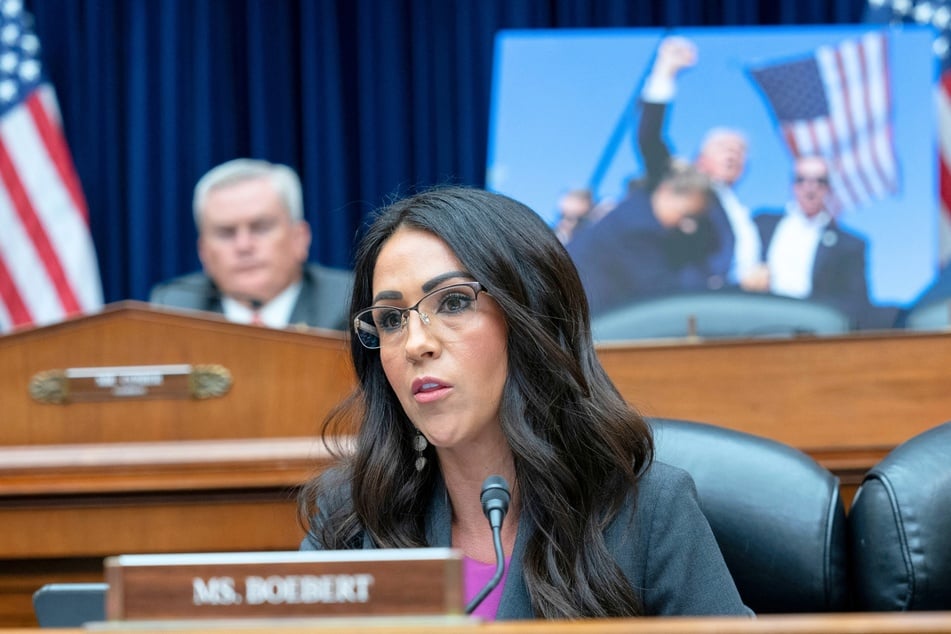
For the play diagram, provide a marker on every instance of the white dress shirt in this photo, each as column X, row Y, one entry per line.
column 792, row 251
column 746, row 246
column 658, row 88
column 276, row 313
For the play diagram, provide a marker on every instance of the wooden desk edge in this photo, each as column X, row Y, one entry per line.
column 107, row 468
column 245, row 463
column 868, row 623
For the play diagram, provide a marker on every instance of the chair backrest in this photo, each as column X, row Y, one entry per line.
column 65, row 605
column 719, row 314
column 934, row 315
column 776, row 514
column 900, row 528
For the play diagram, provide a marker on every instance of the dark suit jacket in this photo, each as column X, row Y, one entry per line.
column 324, row 300
column 656, row 155
column 629, row 255
column 664, row 546
column 838, row 272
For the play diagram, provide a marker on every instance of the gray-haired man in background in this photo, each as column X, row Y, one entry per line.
column 253, row 244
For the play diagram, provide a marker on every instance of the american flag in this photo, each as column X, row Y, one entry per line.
column 836, row 102
column 48, row 268
column 936, row 13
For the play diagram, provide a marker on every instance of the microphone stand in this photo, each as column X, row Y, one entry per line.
column 495, row 504
column 497, row 577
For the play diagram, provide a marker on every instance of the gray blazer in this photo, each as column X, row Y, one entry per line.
column 665, row 548
column 324, row 300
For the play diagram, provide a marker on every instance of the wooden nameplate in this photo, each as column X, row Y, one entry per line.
column 351, row 583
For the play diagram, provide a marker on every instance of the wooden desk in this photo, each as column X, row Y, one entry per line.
column 283, row 382
column 892, row 623
column 846, row 401
column 64, row 508
column 84, row 481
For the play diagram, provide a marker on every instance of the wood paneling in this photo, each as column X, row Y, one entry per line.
column 836, row 395
column 846, row 401
column 284, row 381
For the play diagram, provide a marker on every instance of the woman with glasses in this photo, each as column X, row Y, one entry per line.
column 473, row 354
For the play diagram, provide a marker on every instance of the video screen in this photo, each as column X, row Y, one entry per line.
column 796, row 162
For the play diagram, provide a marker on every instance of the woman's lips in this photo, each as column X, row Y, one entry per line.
column 427, row 390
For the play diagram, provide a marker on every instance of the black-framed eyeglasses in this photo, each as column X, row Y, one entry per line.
column 449, row 307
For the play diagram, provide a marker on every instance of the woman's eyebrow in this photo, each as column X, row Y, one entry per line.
column 439, row 279
column 427, row 286
column 387, row 295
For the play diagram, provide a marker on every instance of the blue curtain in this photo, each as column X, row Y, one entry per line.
column 365, row 98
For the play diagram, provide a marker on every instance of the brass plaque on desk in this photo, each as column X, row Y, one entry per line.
column 83, row 385
column 351, row 583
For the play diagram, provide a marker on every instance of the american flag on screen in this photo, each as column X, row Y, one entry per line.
column 836, row 102
column 936, row 13
column 48, row 268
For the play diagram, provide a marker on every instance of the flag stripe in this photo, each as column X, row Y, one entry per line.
column 944, row 180
column 840, row 121
column 945, row 82
column 28, row 218
column 870, row 126
column 835, row 103
column 64, row 226
column 48, row 267
column 943, row 99
column 845, row 162
column 933, row 14
column 841, row 195
column 865, row 114
column 848, row 116
column 790, row 135
column 26, row 267
column 844, row 187
column 868, row 96
column 11, row 300
column 55, row 144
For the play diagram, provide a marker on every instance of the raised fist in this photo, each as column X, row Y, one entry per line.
column 674, row 54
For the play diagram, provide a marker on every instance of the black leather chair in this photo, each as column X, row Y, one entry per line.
column 776, row 514
column 900, row 528
column 719, row 314
column 70, row 605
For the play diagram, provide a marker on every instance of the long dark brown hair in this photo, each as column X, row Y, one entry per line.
column 578, row 447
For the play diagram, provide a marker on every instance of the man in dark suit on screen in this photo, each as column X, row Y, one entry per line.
column 807, row 254
column 253, row 244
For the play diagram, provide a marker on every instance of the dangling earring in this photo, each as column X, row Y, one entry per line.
column 420, row 444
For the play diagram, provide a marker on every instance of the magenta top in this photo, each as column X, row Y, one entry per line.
column 475, row 575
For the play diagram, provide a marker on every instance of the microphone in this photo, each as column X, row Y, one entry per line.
column 495, row 504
